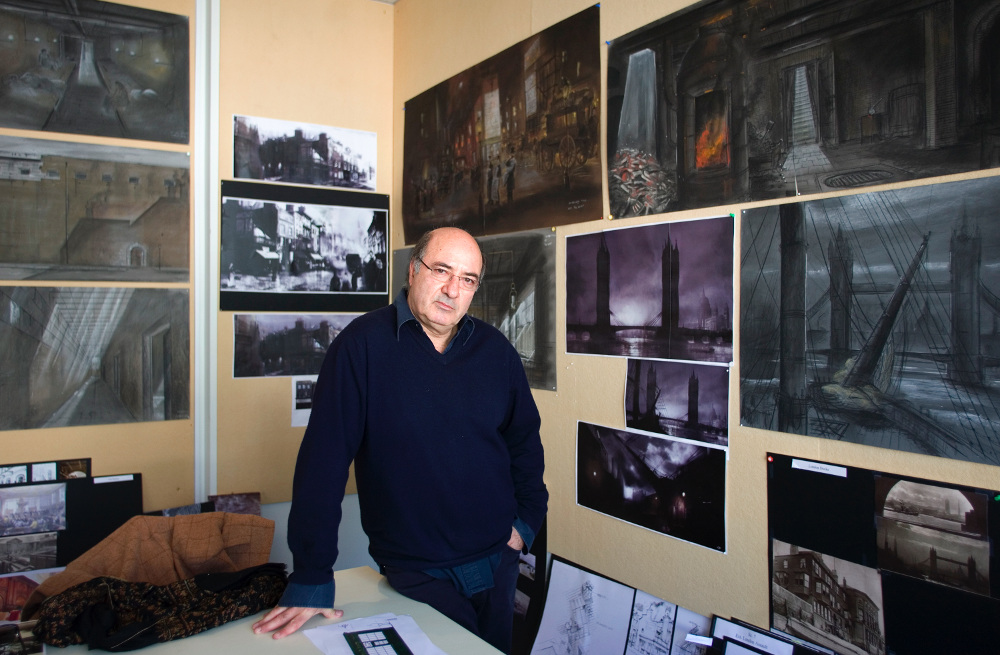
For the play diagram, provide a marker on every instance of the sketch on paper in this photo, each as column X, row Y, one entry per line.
column 662, row 291
column 584, row 613
column 802, row 610
column 935, row 533
column 873, row 319
column 96, row 68
column 302, row 153
column 511, row 143
column 517, row 296
column 293, row 248
column 82, row 212
column 652, row 627
column 672, row 487
column 679, row 399
column 270, row 345
column 689, row 623
column 89, row 356
column 736, row 101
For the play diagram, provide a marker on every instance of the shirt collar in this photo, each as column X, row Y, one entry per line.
column 405, row 315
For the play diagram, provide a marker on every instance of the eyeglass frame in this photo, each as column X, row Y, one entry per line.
column 433, row 273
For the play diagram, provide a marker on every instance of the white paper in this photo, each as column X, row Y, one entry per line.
column 330, row 638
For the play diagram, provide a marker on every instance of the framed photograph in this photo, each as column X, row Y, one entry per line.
column 287, row 248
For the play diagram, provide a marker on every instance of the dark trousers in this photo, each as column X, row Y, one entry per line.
column 489, row 613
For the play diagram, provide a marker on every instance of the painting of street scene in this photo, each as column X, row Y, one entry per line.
column 512, row 143
column 738, row 100
column 288, row 248
column 875, row 319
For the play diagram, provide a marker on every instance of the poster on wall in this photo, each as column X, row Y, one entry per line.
column 660, row 291
column 873, row 318
column 728, row 103
column 512, row 143
column 669, row 486
column 517, row 296
column 685, row 400
column 96, row 68
column 302, row 153
column 283, row 345
column 93, row 356
column 863, row 561
column 288, row 248
column 84, row 212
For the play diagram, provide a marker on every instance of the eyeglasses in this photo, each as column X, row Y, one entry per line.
column 442, row 274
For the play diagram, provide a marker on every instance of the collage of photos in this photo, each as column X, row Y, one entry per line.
column 862, row 561
column 660, row 296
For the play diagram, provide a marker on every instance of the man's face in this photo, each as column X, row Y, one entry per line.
column 439, row 305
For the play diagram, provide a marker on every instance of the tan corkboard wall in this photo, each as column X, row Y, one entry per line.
column 162, row 451
column 324, row 62
column 435, row 39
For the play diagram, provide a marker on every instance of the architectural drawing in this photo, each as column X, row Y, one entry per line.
column 652, row 626
column 735, row 101
column 885, row 310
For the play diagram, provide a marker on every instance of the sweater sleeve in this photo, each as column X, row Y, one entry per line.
column 331, row 440
column 527, row 462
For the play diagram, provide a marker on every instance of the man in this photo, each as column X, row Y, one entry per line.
column 434, row 408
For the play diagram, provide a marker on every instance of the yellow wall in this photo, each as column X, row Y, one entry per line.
column 434, row 39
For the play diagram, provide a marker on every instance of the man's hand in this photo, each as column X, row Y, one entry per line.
column 286, row 620
column 515, row 540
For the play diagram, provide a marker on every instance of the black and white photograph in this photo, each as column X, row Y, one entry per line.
column 275, row 345
column 44, row 472
column 290, row 248
column 517, row 296
column 935, row 533
column 661, row 291
column 27, row 509
column 873, row 319
column 685, row 400
column 94, row 355
column 28, row 552
column 826, row 600
column 96, row 68
column 16, row 474
column 729, row 101
column 276, row 150
column 512, row 143
column 672, row 487
column 303, row 387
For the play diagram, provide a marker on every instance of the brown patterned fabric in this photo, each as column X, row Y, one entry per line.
column 160, row 550
column 116, row 615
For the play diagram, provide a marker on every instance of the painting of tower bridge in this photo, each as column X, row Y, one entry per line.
column 875, row 319
column 662, row 291
column 681, row 399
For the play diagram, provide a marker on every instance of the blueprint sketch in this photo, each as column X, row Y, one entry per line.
column 584, row 613
column 652, row 625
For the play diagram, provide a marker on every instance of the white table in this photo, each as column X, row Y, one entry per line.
column 361, row 592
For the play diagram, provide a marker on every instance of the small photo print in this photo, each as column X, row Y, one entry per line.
column 32, row 508
column 44, row 472
column 17, row 474
column 27, row 552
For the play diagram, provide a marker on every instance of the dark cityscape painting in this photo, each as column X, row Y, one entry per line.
column 662, row 291
column 302, row 153
column 741, row 100
column 83, row 212
column 873, row 319
column 96, row 68
column 266, row 345
column 512, row 143
column 662, row 484
column 680, row 399
column 73, row 356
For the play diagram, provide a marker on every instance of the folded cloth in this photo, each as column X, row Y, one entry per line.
column 160, row 550
column 117, row 615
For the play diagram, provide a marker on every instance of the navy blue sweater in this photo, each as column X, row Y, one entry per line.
column 446, row 450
